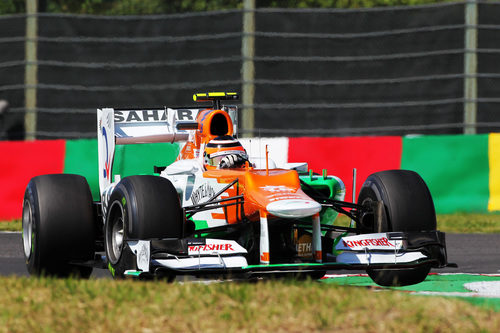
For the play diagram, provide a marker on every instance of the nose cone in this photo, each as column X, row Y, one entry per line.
column 293, row 208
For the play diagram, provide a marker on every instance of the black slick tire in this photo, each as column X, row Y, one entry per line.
column 139, row 208
column 58, row 226
column 407, row 207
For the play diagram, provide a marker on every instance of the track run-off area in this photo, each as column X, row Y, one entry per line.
column 479, row 289
column 476, row 280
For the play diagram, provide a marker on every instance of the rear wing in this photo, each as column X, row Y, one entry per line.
column 133, row 126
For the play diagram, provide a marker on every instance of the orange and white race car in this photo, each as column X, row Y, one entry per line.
column 218, row 211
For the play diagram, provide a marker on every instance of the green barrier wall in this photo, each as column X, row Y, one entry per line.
column 139, row 159
column 81, row 158
column 455, row 167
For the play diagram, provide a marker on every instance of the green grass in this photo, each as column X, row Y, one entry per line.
column 14, row 225
column 452, row 223
column 51, row 305
column 469, row 223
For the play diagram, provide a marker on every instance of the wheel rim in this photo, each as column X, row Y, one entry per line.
column 369, row 219
column 28, row 234
column 115, row 233
column 117, row 238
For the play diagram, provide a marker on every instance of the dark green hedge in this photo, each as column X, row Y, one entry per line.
column 129, row 7
column 12, row 6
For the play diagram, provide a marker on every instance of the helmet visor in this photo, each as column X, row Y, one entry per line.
column 215, row 158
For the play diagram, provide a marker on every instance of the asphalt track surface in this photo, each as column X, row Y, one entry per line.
column 473, row 253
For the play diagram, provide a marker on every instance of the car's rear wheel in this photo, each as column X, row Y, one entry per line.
column 140, row 208
column 58, row 226
column 407, row 207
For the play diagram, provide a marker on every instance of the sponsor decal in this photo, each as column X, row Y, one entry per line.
column 105, row 123
column 368, row 242
column 214, row 247
column 277, row 197
column 135, row 116
column 281, row 192
column 204, row 191
column 140, row 116
column 277, row 188
column 211, row 247
column 304, row 246
column 185, row 114
column 106, row 170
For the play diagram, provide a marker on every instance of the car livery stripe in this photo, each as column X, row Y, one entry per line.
column 200, row 224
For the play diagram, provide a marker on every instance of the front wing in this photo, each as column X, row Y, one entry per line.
column 204, row 257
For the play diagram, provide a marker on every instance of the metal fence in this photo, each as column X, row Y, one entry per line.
column 393, row 70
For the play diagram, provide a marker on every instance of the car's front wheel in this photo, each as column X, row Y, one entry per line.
column 140, row 208
column 407, row 207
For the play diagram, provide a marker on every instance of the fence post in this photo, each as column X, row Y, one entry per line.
column 248, row 69
column 470, row 67
column 31, row 67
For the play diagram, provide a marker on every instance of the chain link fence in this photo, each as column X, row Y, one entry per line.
column 326, row 72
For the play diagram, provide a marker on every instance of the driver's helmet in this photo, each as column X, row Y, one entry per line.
column 220, row 147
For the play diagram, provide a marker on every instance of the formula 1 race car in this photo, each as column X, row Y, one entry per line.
column 218, row 212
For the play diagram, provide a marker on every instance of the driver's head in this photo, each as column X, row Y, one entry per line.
column 220, row 147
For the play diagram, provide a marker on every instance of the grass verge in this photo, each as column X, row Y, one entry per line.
column 469, row 223
column 51, row 305
column 14, row 225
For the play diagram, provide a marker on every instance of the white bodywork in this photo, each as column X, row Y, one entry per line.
column 371, row 249
column 215, row 253
column 294, row 208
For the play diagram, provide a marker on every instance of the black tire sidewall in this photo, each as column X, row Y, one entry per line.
column 408, row 204
column 151, row 210
column 33, row 261
column 408, row 207
column 63, row 223
column 153, row 207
